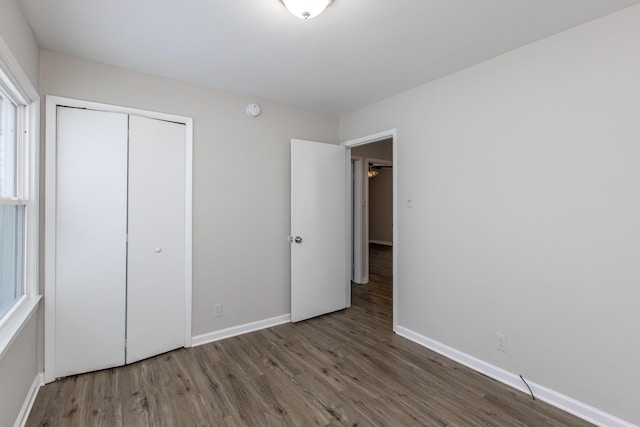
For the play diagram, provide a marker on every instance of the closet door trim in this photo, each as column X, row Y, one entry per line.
column 52, row 102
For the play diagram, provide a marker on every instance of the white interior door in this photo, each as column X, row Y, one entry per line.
column 90, row 258
column 319, row 253
column 156, row 269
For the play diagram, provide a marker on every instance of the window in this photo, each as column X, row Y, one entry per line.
column 8, row 146
column 12, row 209
column 18, row 198
column 11, row 256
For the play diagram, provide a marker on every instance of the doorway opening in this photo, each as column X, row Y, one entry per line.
column 373, row 218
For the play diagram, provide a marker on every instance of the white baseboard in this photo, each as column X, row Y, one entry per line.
column 21, row 421
column 239, row 330
column 381, row 242
column 559, row 400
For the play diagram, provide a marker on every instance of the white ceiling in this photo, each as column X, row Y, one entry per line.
column 356, row 53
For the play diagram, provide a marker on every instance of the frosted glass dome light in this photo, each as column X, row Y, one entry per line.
column 306, row 9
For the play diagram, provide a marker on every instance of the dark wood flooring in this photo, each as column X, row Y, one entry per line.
column 341, row 369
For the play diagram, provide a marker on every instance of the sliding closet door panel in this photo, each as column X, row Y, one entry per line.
column 156, row 270
column 90, row 240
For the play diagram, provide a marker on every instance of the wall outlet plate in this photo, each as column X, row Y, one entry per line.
column 501, row 342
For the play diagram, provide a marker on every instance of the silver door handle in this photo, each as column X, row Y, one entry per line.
column 296, row 239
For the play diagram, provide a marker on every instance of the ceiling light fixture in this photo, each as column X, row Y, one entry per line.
column 306, row 9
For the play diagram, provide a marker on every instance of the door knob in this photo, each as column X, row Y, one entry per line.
column 296, row 239
column 158, row 250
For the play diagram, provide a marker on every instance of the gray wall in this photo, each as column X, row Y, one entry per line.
column 17, row 34
column 241, row 213
column 524, row 174
column 381, row 207
column 18, row 370
column 19, row 365
column 382, row 150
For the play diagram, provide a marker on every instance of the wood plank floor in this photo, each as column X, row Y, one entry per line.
column 342, row 369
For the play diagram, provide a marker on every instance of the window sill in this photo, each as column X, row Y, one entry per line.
column 13, row 324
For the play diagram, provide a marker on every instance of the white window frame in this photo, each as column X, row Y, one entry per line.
column 16, row 84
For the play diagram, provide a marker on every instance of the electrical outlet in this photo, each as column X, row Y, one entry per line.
column 217, row 310
column 501, row 342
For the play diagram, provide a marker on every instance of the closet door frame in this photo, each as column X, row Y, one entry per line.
column 52, row 102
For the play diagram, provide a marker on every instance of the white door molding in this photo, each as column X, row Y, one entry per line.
column 52, row 102
column 380, row 136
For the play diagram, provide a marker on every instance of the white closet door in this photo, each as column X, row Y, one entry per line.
column 156, row 267
column 90, row 240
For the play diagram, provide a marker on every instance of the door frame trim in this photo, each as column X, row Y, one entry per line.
column 51, row 103
column 391, row 133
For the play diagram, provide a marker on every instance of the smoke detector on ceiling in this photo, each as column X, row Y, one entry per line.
column 253, row 110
